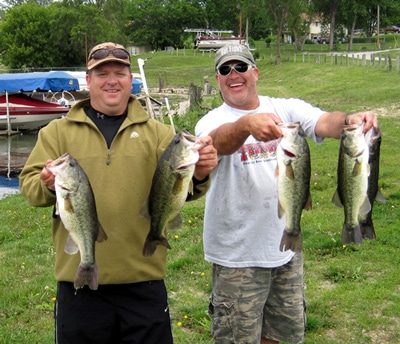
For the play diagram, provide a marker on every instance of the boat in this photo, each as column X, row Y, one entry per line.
column 18, row 111
column 27, row 113
column 214, row 39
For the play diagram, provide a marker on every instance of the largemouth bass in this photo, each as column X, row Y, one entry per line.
column 373, row 139
column 171, row 183
column 352, row 181
column 293, row 172
column 77, row 209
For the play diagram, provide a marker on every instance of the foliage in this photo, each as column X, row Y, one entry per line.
column 46, row 33
column 25, row 36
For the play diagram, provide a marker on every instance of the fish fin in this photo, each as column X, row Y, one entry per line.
column 177, row 188
column 68, row 205
column 356, row 169
column 144, row 210
column 352, row 235
column 336, row 199
column 175, row 223
column 380, row 198
column 289, row 171
column 101, row 234
column 151, row 244
column 71, row 247
column 281, row 211
column 291, row 241
column 365, row 207
column 308, row 205
column 191, row 187
column 367, row 230
column 56, row 211
column 86, row 276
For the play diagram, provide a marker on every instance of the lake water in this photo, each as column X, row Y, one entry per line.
column 14, row 151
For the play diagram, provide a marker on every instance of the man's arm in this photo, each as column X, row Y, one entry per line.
column 229, row 137
column 331, row 124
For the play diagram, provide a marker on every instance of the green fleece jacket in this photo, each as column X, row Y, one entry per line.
column 121, row 179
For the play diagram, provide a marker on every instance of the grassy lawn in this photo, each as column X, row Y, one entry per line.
column 352, row 292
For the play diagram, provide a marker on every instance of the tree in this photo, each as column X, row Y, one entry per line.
column 280, row 11
column 26, row 36
column 57, row 35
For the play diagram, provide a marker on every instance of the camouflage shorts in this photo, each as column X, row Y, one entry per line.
column 247, row 303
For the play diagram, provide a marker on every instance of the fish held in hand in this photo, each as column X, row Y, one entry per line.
column 293, row 173
column 171, row 183
column 373, row 139
column 352, row 181
column 77, row 209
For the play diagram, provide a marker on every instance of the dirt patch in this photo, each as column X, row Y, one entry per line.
column 391, row 111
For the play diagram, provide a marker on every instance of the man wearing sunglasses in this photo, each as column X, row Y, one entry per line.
column 118, row 146
column 257, row 294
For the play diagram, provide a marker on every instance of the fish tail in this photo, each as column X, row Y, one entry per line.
column 291, row 241
column 86, row 275
column 367, row 230
column 352, row 234
column 151, row 244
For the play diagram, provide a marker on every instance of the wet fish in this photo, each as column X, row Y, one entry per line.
column 170, row 186
column 352, row 181
column 77, row 209
column 293, row 172
column 373, row 139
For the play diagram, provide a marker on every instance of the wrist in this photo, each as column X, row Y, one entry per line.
column 347, row 119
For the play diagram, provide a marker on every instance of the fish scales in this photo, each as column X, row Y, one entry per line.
column 171, row 183
column 352, row 181
column 76, row 207
column 293, row 172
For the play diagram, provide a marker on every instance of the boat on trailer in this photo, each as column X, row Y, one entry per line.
column 214, row 39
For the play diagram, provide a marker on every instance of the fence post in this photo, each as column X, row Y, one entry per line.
column 390, row 62
column 160, row 83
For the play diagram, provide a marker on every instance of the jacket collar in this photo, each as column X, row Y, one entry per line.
column 136, row 112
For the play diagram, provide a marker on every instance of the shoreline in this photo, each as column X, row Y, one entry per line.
column 8, row 186
column 8, row 191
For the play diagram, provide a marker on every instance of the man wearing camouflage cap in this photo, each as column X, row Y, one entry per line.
column 257, row 295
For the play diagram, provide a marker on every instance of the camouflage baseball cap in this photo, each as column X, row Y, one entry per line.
column 107, row 52
column 234, row 52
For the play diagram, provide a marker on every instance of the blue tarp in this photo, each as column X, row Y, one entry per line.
column 38, row 81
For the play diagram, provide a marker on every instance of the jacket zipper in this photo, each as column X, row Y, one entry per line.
column 108, row 157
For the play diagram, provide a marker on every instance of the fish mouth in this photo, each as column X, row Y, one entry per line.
column 59, row 161
column 188, row 136
column 289, row 153
column 292, row 125
column 184, row 167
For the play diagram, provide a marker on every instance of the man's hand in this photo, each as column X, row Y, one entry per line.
column 208, row 160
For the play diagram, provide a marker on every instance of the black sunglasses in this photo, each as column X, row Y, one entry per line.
column 103, row 53
column 241, row 68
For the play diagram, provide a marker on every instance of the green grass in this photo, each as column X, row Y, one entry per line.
column 352, row 292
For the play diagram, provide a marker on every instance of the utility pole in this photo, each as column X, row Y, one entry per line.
column 240, row 23
column 378, row 28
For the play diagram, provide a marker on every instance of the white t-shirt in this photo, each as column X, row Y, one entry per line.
column 241, row 224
